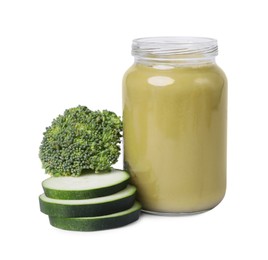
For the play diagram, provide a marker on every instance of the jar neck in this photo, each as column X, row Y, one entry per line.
column 177, row 51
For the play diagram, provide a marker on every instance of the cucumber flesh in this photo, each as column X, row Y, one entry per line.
column 119, row 201
column 115, row 220
column 86, row 186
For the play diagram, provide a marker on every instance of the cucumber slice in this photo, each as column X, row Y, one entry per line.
column 85, row 186
column 89, row 207
column 115, row 220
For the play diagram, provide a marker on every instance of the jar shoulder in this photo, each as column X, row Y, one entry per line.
column 178, row 75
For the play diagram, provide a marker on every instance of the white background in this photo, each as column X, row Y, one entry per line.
column 58, row 54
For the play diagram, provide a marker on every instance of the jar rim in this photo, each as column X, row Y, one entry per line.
column 174, row 47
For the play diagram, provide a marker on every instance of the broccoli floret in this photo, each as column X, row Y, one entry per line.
column 81, row 139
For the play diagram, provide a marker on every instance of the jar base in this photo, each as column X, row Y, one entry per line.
column 175, row 214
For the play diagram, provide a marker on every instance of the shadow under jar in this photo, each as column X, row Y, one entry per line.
column 174, row 115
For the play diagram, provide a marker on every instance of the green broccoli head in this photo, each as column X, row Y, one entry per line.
column 81, row 139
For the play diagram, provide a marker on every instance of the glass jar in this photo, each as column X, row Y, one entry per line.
column 174, row 114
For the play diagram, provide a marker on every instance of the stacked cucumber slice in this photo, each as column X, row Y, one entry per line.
column 86, row 186
column 90, row 202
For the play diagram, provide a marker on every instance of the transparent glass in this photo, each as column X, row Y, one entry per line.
column 175, row 116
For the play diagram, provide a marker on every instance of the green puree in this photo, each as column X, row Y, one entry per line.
column 175, row 136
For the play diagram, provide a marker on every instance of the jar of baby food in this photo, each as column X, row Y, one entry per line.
column 174, row 116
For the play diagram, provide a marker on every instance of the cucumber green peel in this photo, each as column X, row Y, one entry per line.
column 115, row 220
column 86, row 186
column 119, row 201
